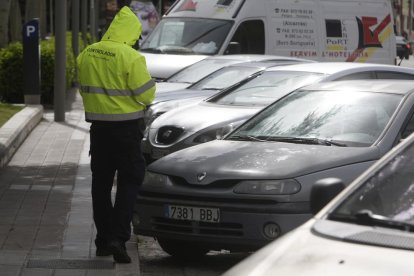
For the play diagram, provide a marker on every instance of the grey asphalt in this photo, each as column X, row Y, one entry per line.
column 46, row 225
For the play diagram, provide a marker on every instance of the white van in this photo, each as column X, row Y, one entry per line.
column 323, row 30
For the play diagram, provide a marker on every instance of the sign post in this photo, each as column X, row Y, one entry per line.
column 31, row 62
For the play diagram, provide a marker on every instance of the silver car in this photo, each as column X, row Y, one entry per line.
column 253, row 186
column 199, row 70
column 206, row 120
column 366, row 230
column 221, row 79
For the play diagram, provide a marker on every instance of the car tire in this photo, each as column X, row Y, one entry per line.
column 182, row 250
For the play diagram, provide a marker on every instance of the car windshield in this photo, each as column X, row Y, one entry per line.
column 225, row 77
column 343, row 118
column 187, row 36
column 385, row 199
column 199, row 70
column 266, row 88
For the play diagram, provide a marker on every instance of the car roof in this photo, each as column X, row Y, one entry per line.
column 254, row 57
column 262, row 63
column 402, row 87
column 335, row 67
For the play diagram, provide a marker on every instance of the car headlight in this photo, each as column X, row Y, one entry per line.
column 154, row 179
column 206, row 136
column 213, row 134
column 220, row 133
column 268, row 187
column 150, row 116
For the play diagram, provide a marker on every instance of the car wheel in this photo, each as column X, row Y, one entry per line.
column 182, row 249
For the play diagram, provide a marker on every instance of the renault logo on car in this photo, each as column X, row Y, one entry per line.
column 201, row 176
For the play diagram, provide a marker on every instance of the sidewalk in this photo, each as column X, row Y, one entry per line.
column 46, row 225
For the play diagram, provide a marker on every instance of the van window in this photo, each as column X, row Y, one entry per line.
column 333, row 28
column 249, row 38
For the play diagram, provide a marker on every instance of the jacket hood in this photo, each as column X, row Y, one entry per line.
column 125, row 28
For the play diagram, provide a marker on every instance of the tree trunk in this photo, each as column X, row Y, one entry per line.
column 37, row 9
column 4, row 22
column 15, row 21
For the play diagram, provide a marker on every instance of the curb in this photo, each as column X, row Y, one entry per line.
column 15, row 131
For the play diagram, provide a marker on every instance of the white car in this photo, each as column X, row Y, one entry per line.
column 197, row 71
column 368, row 229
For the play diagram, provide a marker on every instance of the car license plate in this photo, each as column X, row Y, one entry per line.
column 158, row 153
column 192, row 213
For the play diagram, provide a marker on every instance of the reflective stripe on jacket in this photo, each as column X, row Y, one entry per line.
column 114, row 80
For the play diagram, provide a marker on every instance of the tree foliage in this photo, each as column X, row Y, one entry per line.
column 11, row 71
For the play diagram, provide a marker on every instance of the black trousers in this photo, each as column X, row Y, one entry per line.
column 115, row 150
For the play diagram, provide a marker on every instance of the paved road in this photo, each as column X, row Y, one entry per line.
column 153, row 261
column 408, row 62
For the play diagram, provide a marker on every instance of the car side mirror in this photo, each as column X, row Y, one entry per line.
column 234, row 48
column 323, row 191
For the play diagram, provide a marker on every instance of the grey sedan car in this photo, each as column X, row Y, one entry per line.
column 253, row 186
column 206, row 120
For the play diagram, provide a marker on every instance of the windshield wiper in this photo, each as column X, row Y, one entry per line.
column 180, row 50
column 204, row 34
column 152, row 50
column 246, row 138
column 169, row 50
column 167, row 81
column 302, row 140
column 299, row 140
column 368, row 218
column 211, row 88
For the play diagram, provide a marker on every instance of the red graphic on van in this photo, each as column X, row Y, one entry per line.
column 369, row 37
column 188, row 5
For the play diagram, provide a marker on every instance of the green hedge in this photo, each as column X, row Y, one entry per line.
column 11, row 70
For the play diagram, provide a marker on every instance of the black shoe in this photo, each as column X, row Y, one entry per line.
column 103, row 251
column 119, row 252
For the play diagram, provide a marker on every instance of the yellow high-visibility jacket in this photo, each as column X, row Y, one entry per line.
column 114, row 80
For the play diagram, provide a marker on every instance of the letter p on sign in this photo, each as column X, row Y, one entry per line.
column 30, row 30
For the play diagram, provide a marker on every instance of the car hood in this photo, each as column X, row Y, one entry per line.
column 202, row 115
column 163, row 87
column 183, row 94
column 301, row 252
column 162, row 66
column 223, row 159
